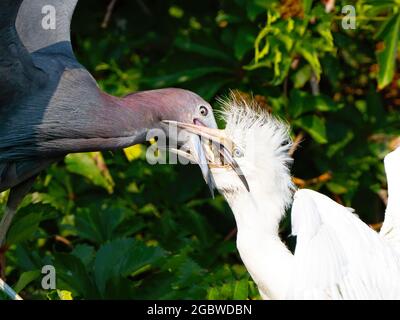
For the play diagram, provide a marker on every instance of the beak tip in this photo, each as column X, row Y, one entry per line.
column 246, row 184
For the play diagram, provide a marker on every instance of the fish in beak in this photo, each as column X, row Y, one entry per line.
column 204, row 155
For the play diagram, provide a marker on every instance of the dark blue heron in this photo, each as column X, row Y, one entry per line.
column 50, row 105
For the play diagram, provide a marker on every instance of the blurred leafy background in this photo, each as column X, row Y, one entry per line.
column 116, row 227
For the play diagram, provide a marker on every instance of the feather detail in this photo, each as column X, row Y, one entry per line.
column 266, row 139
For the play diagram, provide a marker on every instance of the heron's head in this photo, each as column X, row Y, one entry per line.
column 173, row 111
column 258, row 144
column 172, row 104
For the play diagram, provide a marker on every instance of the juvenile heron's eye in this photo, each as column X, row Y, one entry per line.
column 203, row 111
column 237, row 153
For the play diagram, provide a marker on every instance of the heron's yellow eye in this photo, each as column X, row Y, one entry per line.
column 237, row 153
column 203, row 111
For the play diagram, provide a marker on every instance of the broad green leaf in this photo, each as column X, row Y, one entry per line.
column 122, row 257
column 325, row 103
column 307, row 6
column 315, row 126
column 299, row 103
column 186, row 44
column 85, row 253
column 381, row 2
column 183, row 76
column 302, row 76
column 336, row 188
column 302, row 102
column 99, row 224
column 208, row 89
column 244, row 42
column 197, row 224
column 346, row 137
column 23, row 228
column 27, row 258
column 227, row 291
column 92, row 166
column 241, row 290
column 213, row 294
column 253, row 10
column 25, row 279
column 73, row 276
column 56, row 201
column 310, row 54
column 387, row 56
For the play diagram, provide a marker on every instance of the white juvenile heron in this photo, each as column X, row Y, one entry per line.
column 337, row 256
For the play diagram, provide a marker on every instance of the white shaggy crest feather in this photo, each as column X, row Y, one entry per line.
column 251, row 126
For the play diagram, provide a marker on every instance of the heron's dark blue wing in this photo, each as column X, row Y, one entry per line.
column 28, row 27
column 16, row 172
column 43, row 24
column 18, row 73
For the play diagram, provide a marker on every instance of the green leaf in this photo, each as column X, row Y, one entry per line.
column 208, row 89
column 85, row 253
column 336, row 188
column 122, row 257
column 73, row 276
column 91, row 166
column 99, row 224
column 25, row 279
column 310, row 54
column 298, row 103
column 183, row 76
column 253, row 10
column 325, row 103
column 213, row 294
column 302, row 102
column 307, row 6
column 185, row 43
column 380, row 2
column 23, row 228
column 244, row 42
column 387, row 56
column 302, row 76
column 241, row 290
column 315, row 126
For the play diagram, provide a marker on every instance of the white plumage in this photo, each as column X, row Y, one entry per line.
column 391, row 226
column 337, row 256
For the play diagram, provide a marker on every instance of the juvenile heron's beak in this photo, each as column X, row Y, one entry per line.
column 202, row 150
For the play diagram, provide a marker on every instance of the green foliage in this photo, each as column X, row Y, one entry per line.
column 116, row 227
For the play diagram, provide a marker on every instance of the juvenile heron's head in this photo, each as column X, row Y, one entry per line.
column 260, row 148
column 257, row 143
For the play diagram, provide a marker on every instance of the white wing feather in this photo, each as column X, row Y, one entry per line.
column 391, row 226
column 338, row 256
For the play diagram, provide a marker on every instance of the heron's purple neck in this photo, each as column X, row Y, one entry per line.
column 129, row 119
column 104, row 123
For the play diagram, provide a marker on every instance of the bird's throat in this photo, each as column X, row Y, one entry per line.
column 266, row 257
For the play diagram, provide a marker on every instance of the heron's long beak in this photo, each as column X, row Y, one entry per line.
column 218, row 137
column 197, row 155
column 201, row 159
